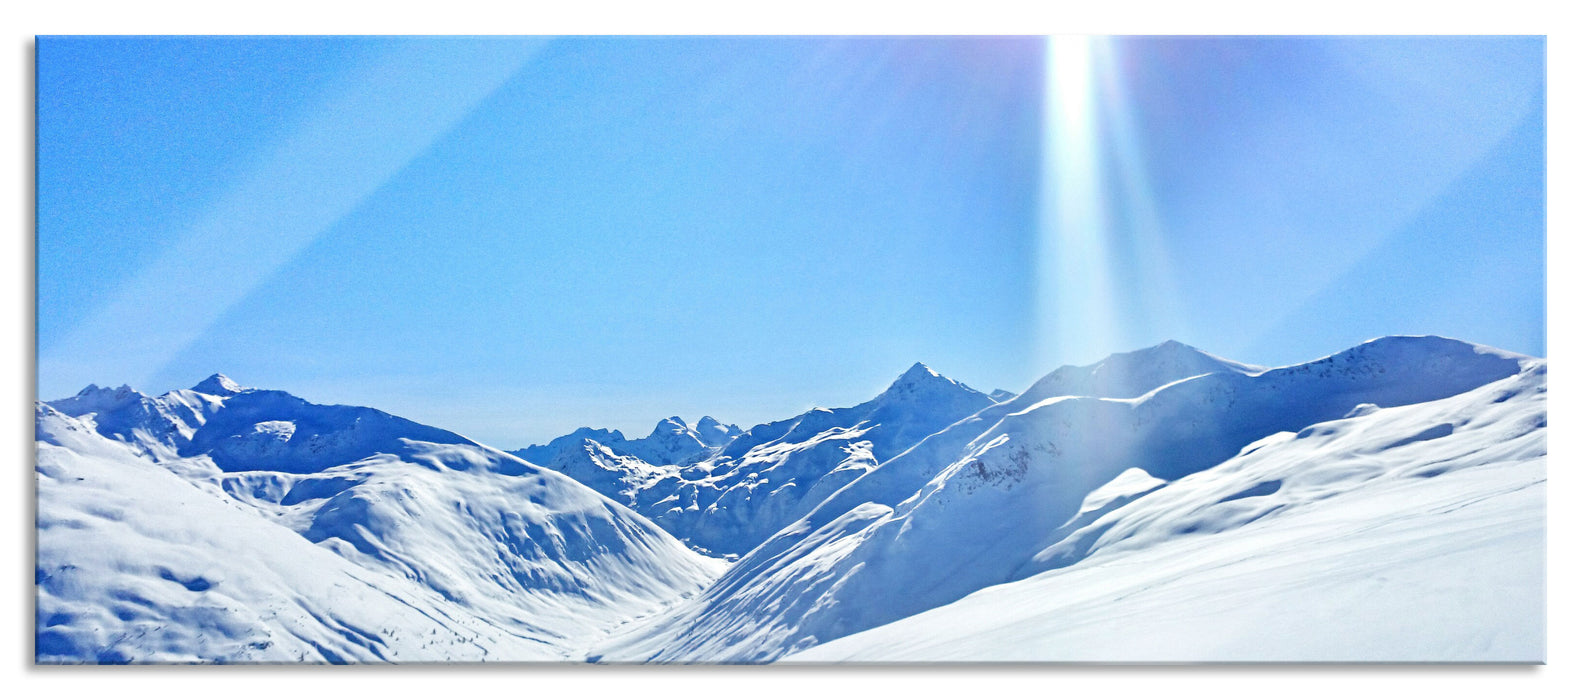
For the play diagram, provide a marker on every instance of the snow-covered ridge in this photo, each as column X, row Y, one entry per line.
column 1413, row 533
column 244, row 429
column 136, row 563
column 157, row 426
column 277, row 529
column 275, row 431
column 973, row 505
column 672, row 441
column 932, row 522
column 1131, row 374
column 743, row 490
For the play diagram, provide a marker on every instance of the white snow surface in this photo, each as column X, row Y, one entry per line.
column 1382, row 504
column 416, row 551
column 1370, row 538
column 1001, row 496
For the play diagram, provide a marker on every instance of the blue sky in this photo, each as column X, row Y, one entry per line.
column 514, row 237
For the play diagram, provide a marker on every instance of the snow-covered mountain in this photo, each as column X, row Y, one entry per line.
column 997, row 497
column 759, row 481
column 1383, row 503
column 1413, row 533
column 155, row 426
column 264, row 527
column 672, row 441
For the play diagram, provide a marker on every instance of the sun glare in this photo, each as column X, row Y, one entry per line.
column 1076, row 310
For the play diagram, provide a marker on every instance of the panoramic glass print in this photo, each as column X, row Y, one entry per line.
column 790, row 349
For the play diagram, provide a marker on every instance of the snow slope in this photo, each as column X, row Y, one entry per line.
column 1400, row 534
column 1121, row 376
column 986, row 499
column 1382, row 504
column 276, row 529
column 136, row 564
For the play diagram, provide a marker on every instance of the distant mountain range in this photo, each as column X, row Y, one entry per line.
column 1163, row 505
column 728, row 497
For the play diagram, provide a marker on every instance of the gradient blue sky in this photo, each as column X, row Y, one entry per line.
column 513, row 238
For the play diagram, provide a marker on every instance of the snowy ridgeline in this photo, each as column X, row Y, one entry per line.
column 231, row 542
column 1384, row 503
column 726, row 497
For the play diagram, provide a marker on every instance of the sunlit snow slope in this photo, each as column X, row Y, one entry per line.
column 1385, row 503
column 263, row 527
column 1400, row 534
column 1023, row 486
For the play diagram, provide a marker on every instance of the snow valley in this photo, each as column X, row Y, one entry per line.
column 1386, row 503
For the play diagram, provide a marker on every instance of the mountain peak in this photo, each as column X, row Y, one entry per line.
column 710, row 423
column 673, row 425
column 96, row 392
column 1132, row 374
column 921, row 380
column 218, row 385
column 1172, row 352
column 916, row 375
column 1168, row 348
column 714, row 433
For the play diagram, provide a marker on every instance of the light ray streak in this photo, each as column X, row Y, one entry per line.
column 381, row 119
column 1076, row 310
column 1157, row 311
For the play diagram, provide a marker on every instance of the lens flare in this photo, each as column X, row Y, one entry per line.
column 1076, row 310
column 1104, row 276
column 1153, row 307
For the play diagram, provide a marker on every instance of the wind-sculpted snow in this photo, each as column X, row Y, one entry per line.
column 1344, row 541
column 189, row 559
column 514, row 543
column 975, row 505
column 137, row 564
column 773, row 473
column 1502, row 422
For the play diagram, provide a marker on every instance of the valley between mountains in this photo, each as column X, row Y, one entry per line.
column 1385, row 503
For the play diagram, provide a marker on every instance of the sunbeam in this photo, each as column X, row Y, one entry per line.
column 1076, row 301
column 1146, row 279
